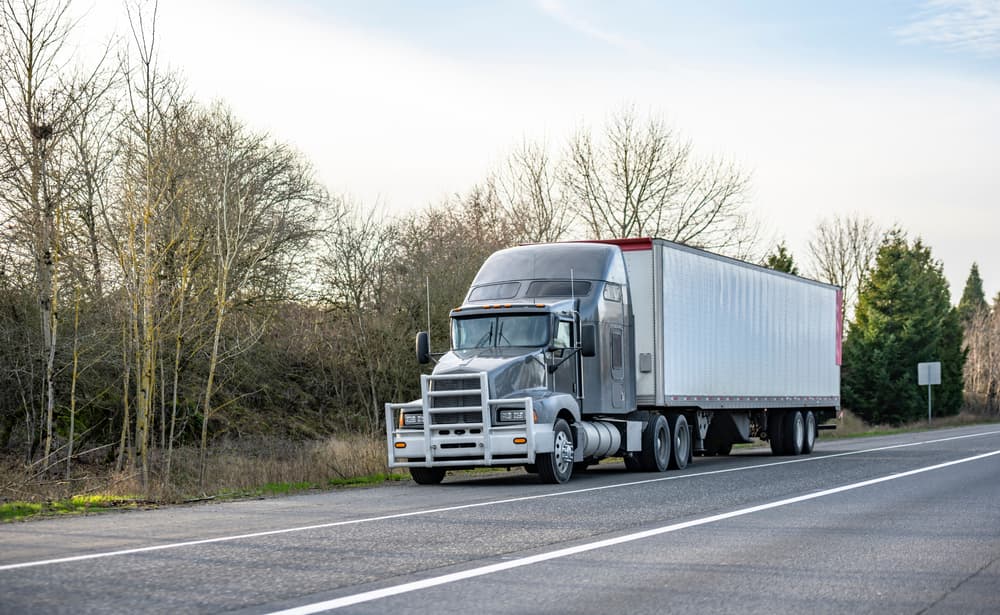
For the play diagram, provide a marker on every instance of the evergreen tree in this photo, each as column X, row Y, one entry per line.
column 781, row 260
column 973, row 297
column 904, row 317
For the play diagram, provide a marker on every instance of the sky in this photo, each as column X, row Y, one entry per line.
column 889, row 109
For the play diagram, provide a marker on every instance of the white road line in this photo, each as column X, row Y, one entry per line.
column 337, row 603
column 431, row 511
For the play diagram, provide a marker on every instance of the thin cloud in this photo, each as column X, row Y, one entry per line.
column 574, row 21
column 957, row 25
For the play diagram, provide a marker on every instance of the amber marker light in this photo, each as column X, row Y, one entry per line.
column 401, row 445
column 539, row 305
column 520, row 440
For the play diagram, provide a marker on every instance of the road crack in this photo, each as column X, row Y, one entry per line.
column 952, row 590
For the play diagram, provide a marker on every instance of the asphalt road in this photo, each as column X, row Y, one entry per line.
column 901, row 524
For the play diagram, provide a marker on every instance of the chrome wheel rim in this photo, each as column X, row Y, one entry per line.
column 563, row 453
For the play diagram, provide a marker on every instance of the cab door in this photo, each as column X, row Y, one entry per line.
column 566, row 378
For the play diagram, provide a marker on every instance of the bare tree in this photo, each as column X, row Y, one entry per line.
column 639, row 178
column 982, row 366
column 40, row 99
column 529, row 189
column 843, row 252
column 261, row 198
column 361, row 253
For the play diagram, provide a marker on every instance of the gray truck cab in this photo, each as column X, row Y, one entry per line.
column 542, row 344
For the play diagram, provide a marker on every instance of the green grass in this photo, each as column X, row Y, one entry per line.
column 78, row 504
column 373, row 479
column 81, row 504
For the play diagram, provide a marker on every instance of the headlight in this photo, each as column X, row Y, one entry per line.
column 510, row 415
column 413, row 420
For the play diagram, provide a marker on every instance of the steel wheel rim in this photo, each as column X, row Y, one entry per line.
column 800, row 430
column 662, row 444
column 680, row 445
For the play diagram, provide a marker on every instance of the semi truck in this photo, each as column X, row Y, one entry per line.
column 564, row 354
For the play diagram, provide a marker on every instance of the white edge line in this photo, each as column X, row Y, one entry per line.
column 416, row 513
column 387, row 592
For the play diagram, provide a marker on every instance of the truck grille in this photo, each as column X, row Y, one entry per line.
column 455, row 384
column 467, row 395
column 446, row 418
column 456, row 401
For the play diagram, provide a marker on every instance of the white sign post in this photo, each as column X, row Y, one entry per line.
column 929, row 374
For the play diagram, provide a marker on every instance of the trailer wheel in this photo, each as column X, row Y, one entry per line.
column 776, row 432
column 794, row 432
column 810, row 436
column 427, row 476
column 681, row 449
column 655, row 455
column 556, row 467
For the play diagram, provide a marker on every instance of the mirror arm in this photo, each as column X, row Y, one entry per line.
column 572, row 351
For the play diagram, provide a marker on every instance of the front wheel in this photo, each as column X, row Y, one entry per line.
column 427, row 476
column 557, row 467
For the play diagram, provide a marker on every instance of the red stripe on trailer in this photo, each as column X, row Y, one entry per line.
column 629, row 245
column 840, row 325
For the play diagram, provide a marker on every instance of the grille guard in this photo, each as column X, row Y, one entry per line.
column 437, row 444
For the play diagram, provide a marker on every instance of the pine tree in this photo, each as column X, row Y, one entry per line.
column 973, row 297
column 781, row 260
column 904, row 317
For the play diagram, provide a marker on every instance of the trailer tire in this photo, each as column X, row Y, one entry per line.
column 809, row 442
column 680, row 451
column 655, row 455
column 557, row 467
column 427, row 476
column 775, row 432
column 794, row 432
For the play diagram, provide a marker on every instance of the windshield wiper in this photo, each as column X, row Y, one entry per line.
column 486, row 338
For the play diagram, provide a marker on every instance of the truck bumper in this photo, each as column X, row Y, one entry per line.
column 440, row 443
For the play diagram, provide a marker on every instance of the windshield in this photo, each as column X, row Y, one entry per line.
column 500, row 331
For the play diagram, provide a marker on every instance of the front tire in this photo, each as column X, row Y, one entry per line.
column 655, row 455
column 681, row 449
column 557, row 467
column 427, row 476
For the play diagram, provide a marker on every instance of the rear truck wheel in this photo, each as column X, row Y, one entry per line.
column 427, row 476
column 655, row 455
column 775, row 432
column 557, row 467
column 680, row 452
column 809, row 442
column 724, row 448
column 794, row 432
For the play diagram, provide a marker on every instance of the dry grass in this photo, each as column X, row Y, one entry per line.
column 232, row 469
column 851, row 425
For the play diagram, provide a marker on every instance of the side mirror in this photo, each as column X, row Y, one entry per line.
column 423, row 344
column 588, row 340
